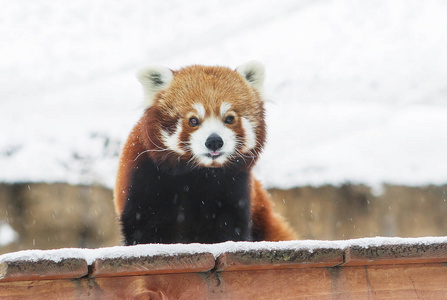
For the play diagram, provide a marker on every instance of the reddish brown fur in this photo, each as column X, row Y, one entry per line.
column 206, row 85
column 265, row 219
column 128, row 160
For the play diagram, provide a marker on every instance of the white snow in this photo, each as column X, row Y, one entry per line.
column 313, row 245
column 357, row 90
column 7, row 234
column 55, row 255
column 90, row 255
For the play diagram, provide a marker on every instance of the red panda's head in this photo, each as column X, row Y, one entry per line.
column 204, row 116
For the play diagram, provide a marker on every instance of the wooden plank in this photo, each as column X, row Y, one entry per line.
column 413, row 281
column 285, row 258
column 43, row 289
column 275, row 284
column 42, row 269
column 264, row 284
column 159, row 264
column 378, row 282
column 166, row 286
column 396, row 254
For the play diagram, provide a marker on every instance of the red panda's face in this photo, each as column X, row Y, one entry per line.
column 205, row 116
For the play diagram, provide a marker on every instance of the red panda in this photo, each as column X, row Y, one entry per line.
column 185, row 171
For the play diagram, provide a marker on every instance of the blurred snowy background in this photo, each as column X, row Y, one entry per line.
column 357, row 98
column 357, row 90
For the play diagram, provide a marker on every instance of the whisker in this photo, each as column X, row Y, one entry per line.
column 147, row 134
column 140, row 154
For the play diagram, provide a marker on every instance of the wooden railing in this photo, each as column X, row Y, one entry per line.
column 377, row 268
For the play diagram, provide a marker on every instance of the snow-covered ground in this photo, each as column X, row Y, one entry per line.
column 357, row 90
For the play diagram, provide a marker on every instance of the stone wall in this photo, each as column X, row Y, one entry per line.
column 50, row 216
column 47, row 216
column 352, row 211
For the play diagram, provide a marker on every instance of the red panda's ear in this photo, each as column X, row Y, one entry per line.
column 253, row 72
column 154, row 79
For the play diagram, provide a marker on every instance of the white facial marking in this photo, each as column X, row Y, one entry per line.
column 199, row 137
column 224, row 108
column 200, row 109
column 205, row 160
column 250, row 136
column 172, row 141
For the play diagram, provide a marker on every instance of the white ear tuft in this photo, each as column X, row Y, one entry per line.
column 253, row 72
column 154, row 79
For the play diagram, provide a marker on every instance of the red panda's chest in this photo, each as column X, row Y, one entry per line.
column 204, row 205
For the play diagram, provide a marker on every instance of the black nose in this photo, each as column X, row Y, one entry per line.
column 214, row 142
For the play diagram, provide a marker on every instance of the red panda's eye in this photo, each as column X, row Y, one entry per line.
column 229, row 120
column 193, row 122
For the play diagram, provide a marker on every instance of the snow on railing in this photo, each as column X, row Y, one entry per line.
column 323, row 262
